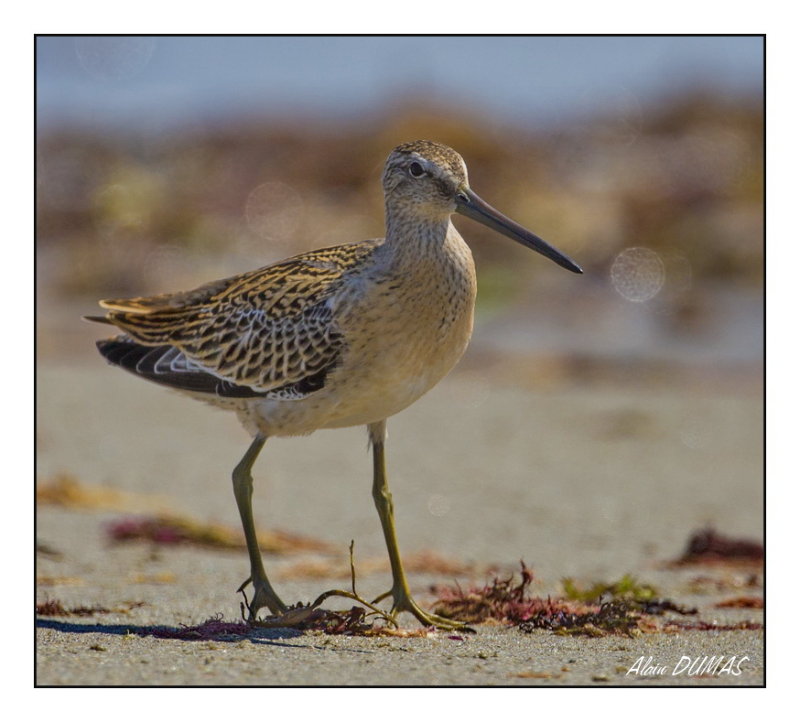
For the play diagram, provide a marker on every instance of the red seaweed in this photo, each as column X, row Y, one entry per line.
column 707, row 546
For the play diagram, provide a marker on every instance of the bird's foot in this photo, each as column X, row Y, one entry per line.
column 403, row 602
column 263, row 596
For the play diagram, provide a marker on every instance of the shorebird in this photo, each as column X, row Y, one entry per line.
column 342, row 336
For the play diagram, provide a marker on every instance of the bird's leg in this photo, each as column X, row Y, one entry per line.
column 400, row 593
column 263, row 595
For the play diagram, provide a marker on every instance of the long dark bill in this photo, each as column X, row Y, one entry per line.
column 469, row 204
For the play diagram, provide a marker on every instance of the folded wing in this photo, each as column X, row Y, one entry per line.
column 269, row 332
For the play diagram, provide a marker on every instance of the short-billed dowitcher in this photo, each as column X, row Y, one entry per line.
column 341, row 336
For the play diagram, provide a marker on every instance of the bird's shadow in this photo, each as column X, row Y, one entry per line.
column 258, row 635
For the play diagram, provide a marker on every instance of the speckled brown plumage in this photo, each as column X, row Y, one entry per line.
column 267, row 330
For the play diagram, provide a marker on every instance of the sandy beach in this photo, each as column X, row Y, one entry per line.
column 586, row 483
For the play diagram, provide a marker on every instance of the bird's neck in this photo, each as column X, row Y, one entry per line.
column 412, row 237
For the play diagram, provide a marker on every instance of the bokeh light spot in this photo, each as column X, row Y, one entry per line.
column 273, row 211
column 114, row 58
column 438, row 505
column 638, row 274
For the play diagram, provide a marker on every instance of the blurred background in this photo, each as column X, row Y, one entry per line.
column 594, row 422
column 166, row 161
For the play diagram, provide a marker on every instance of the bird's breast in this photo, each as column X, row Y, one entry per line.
column 411, row 327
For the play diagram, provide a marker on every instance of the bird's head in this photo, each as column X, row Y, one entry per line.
column 427, row 179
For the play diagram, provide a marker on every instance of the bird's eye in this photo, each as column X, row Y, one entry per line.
column 416, row 170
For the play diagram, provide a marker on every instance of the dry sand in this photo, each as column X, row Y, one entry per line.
column 587, row 483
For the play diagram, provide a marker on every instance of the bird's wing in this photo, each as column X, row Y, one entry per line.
column 271, row 331
column 168, row 366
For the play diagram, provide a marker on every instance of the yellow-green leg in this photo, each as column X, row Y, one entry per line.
column 400, row 593
column 263, row 593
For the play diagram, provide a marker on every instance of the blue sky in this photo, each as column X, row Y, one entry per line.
column 124, row 82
